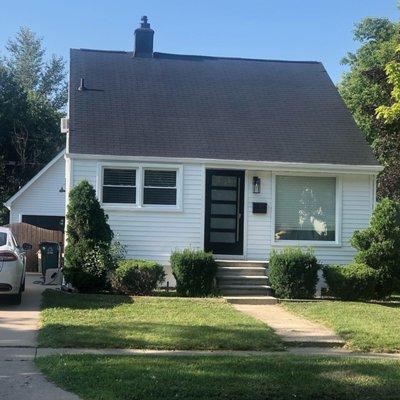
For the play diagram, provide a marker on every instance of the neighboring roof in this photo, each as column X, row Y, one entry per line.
column 211, row 108
column 9, row 202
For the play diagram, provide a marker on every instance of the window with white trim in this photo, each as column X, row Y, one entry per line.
column 160, row 187
column 119, row 186
column 305, row 208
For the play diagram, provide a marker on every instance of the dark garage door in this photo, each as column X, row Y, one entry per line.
column 53, row 223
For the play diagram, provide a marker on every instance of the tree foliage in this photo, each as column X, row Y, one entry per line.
column 391, row 113
column 379, row 245
column 88, row 252
column 33, row 97
column 86, row 218
column 365, row 87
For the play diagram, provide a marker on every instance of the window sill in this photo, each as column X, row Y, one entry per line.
column 304, row 243
column 124, row 207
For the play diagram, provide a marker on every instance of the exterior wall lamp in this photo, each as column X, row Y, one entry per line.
column 256, row 185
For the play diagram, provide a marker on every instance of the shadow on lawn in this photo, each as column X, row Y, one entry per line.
column 76, row 301
column 390, row 304
column 254, row 378
column 147, row 335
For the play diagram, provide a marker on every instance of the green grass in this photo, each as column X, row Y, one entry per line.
column 231, row 378
column 78, row 320
column 364, row 326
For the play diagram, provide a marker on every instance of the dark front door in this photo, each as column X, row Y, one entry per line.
column 224, row 211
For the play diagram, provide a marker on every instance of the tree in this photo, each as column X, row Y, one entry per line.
column 32, row 100
column 379, row 245
column 88, row 252
column 26, row 61
column 391, row 113
column 365, row 87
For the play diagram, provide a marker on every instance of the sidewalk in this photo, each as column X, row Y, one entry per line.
column 19, row 377
column 292, row 329
column 31, row 354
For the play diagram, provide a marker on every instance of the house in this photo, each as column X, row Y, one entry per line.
column 41, row 202
column 234, row 156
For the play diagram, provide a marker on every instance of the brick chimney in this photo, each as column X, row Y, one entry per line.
column 144, row 39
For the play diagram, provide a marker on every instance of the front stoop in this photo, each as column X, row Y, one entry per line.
column 251, row 300
column 244, row 282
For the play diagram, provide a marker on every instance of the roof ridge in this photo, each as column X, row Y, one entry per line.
column 194, row 56
column 176, row 56
column 102, row 51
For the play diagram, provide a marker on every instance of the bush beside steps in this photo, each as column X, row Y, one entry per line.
column 137, row 277
column 293, row 273
column 194, row 272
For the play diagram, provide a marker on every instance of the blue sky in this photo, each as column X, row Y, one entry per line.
column 285, row 29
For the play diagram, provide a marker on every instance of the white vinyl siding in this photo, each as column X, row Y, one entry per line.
column 355, row 208
column 153, row 233
column 43, row 197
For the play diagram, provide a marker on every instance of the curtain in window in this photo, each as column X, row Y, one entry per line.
column 305, row 208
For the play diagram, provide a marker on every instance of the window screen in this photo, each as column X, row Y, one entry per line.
column 159, row 187
column 119, row 186
column 305, row 208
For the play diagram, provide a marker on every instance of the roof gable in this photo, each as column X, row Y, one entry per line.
column 41, row 173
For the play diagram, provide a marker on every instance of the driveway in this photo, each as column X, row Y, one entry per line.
column 19, row 377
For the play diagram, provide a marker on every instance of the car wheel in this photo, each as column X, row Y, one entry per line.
column 17, row 298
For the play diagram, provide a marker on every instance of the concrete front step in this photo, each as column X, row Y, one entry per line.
column 251, row 300
column 245, row 290
column 226, row 280
column 241, row 271
column 242, row 264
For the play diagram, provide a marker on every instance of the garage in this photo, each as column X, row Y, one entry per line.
column 37, row 210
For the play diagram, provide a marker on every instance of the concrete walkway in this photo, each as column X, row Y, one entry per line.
column 291, row 328
column 19, row 377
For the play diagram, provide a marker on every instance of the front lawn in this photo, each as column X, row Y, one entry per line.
column 364, row 326
column 213, row 377
column 79, row 320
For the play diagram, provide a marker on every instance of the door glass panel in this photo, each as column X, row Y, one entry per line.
column 223, row 223
column 220, row 180
column 224, row 209
column 218, row 194
column 223, row 237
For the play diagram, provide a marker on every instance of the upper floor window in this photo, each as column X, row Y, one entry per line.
column 119, row 186
column 305, row 208
column 159, row 187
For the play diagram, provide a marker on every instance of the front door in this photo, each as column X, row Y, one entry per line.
column 224, row 211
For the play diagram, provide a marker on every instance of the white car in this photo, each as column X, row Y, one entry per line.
column 12, row 266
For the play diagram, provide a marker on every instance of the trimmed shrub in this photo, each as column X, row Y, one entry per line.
column 88, row 254
column 379, row 246
column 293, row 273
column 351, row 282
column 137, row 277
column 86, row 267
column 194, row 271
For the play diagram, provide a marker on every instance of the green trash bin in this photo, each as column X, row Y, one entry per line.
column 49, row 256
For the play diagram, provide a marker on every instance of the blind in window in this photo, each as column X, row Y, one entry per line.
column 119, row 186
column 305, row 208
column 159, row 187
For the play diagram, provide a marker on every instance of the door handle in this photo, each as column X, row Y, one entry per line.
column 238, row 213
